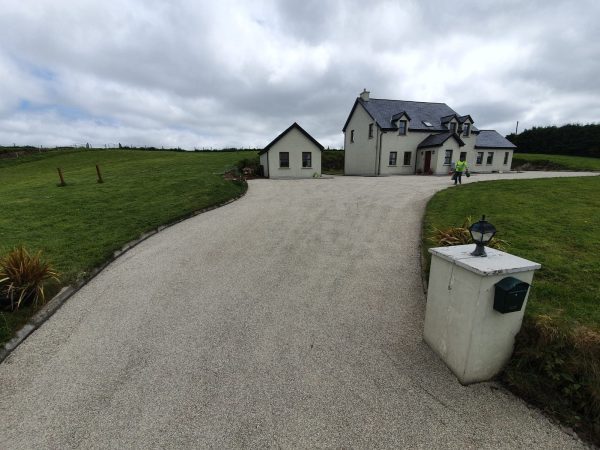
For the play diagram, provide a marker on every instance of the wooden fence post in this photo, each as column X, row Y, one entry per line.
column 62, row 179
column 100, row 180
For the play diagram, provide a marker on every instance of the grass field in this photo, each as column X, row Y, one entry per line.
column 556, row 161
column 555, row 222
column 80, row 225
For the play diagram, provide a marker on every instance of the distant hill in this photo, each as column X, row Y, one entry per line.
column 572, row 139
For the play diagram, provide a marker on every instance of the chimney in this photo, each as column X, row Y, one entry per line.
column 365, row 95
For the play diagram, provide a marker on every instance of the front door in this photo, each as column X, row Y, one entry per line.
column 427, row 162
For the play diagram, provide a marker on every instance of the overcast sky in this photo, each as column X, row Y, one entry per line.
column 200, row 74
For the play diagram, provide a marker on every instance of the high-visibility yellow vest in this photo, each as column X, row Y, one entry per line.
column 460, row 166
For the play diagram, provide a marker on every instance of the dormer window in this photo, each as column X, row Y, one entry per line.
column 452, row 127
column 466, row 129
column 402, row 127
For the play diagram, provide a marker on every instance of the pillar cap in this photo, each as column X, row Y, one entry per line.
column 495, row 263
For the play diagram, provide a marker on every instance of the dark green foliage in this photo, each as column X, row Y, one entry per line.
column 559, row 370
column 251, row 163
column 536, row 161
column 572, row 139
column 333, row 161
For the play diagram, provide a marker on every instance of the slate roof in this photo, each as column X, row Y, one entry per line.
column 492, row 139
column 292, row 126
column 435, row 140
column 382, row 111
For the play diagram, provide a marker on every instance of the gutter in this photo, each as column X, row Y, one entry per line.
column 378, row 144
column 268, row 168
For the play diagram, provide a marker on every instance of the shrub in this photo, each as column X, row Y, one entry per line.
column 558, row 368
column 460, row 236
column 251, row 163
column 333, row 160
column 23, row 276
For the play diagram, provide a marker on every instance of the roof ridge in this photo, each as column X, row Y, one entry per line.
column 408, row 101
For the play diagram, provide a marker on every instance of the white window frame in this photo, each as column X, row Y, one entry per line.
column 479, row 161
column 488, row 161
column 395, row 159
column 309, row 160
column 409, row 159
column 402, row 131
column 448, row 157
column 288, row 160
column 466, row 129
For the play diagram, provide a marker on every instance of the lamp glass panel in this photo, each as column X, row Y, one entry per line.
column 477, row 235
column 487, row 236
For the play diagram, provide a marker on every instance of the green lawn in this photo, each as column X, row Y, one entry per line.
column 555, row 222
column 559, row 161
column 80, row 225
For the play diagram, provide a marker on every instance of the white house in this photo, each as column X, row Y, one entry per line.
column 292, row 154
column 393, row 137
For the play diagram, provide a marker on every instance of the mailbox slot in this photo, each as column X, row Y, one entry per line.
column 510, row 294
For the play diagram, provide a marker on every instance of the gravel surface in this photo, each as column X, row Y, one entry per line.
column 290, row 318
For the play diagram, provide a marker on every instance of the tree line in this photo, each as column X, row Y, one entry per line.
column 571, row 139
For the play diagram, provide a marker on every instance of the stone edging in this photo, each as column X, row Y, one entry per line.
column 65, row 293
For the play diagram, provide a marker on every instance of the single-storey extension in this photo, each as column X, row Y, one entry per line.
column 292, row 154
column 394, row 137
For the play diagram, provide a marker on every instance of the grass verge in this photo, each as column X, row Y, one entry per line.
column 555, row 222
column 80, row 225
column 535, row 161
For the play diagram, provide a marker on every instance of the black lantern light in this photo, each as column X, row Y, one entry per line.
column 482, row 233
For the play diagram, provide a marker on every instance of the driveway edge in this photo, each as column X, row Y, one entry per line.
column 66, row 292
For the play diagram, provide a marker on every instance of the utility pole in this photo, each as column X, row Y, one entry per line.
column 517, row 128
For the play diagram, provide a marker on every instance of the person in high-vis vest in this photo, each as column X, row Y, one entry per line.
column 460, row 167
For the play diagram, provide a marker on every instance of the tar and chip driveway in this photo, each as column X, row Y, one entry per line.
column 292, row 317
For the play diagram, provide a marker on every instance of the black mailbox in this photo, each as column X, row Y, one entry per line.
column 509, row 295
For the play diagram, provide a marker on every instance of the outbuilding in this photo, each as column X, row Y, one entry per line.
column 292, row 154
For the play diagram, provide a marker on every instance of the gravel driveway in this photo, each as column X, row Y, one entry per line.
column 292, row 318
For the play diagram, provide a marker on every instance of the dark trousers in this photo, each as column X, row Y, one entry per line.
column 457, row 177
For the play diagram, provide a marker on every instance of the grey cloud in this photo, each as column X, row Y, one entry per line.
column 236, row 73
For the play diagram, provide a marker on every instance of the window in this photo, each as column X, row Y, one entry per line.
column 284, row 159
column 351, row 135
column 370, row 130
column 448, row 157
column 393, row 158
column 479, row 158
column 402, row 127
column 407, row 157
column 466, row 129
column 306, row 159
column 490, row 158
column 463, row 155
column 427, row 124
column 506, row 158
column 452, row 127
